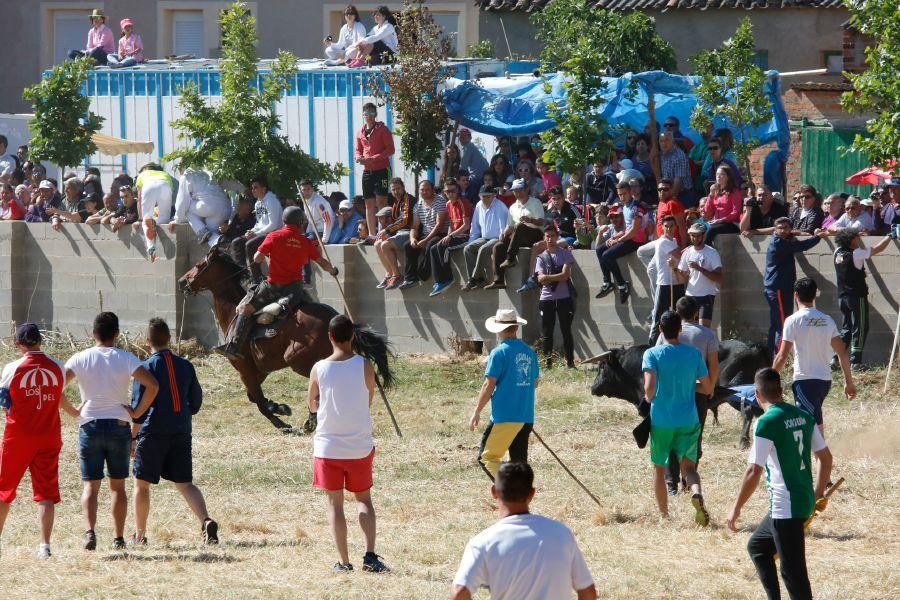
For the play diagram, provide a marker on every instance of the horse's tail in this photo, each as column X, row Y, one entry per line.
column 372, row 346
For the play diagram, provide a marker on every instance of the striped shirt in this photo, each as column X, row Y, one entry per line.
column 674, row 165
column 428, row 213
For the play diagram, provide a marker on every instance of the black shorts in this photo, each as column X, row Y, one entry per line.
column 706, row 304
column 375, row 183
column 166, row 455
column 381, row 54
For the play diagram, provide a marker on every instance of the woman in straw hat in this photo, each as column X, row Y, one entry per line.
column 509, row 380
column 100, row 41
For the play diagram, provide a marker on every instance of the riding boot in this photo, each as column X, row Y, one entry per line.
column 256, row 274
column 231, row 349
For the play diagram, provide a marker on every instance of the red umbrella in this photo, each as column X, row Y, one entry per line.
column 869, row 176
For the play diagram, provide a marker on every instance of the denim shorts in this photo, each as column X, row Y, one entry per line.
column 104, row 441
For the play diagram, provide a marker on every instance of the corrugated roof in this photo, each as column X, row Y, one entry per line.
column 663, row 5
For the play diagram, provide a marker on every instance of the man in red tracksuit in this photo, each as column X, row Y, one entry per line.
column 374, row 148
column 31, row 393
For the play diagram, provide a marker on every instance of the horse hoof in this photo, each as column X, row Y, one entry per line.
column 295, row 431
column 284, row 409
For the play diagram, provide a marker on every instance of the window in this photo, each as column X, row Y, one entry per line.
column 187, row 33
column 449, row 22
column 70, row 29
column 761, row 59
column 834, row 61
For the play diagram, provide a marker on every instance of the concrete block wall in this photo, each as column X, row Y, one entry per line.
column 56, row 278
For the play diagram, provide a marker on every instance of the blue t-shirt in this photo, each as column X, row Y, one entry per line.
column 677, row 366
column 515, row 367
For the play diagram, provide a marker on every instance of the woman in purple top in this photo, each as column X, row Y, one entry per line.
column 553, row 273
column 100, row 42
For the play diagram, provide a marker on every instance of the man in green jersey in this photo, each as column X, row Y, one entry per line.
column 785, row 435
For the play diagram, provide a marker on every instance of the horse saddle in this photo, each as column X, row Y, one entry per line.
column 271, row 317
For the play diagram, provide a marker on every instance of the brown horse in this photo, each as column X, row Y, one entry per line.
column 299, row 343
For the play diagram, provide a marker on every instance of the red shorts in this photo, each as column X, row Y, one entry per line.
column 351, row 474
column 20, row 454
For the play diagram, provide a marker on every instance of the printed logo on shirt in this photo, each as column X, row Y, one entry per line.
column 838, row 259
column 523, row 368
column 816, row 322
column 35, row 379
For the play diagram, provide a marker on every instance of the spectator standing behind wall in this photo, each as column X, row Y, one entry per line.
column 472, row 160
column 701, row 267
column 557, row 301
column 374, row 147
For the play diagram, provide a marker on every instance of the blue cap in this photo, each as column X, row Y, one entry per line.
column 28, row 334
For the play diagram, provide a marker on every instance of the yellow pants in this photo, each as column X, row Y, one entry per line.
column 499, row 438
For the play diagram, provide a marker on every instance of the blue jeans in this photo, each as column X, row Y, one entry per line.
column 104, row 441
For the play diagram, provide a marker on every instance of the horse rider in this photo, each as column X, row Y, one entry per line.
column 287, row 250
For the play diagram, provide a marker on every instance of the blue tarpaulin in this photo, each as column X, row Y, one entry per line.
column 517, row 106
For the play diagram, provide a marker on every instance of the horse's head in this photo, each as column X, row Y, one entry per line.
column 217, row 266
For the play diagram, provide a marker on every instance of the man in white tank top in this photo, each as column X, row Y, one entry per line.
column 341, row 388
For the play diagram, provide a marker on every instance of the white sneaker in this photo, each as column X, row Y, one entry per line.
column 43, row 551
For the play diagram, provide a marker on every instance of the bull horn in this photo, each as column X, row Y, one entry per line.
column 598, row 359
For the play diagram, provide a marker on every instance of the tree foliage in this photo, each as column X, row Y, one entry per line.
column 732, row 88
column 238, row 138
column 410, row 86
column 62, row 126
column 586, row 45
column 876, row 91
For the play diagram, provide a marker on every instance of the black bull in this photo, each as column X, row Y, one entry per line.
column 619, row 375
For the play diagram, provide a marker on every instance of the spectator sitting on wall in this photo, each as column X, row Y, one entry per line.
column 9, row 206
column 89, row 207
column 242, row 222
column 761, row 212
column 608, row 225
column 380, row 46
column 600, row 184
column 346, row 224
column 110, row 205
column 488, row 221
column 100, row 42
column 390, row 240
column 459, row 215
column 362, row 237
column 131, row 48
column 723, row 205
column 854, row 218
column 352, row 31
column 472, row 159
column 429, row 226
column 524, row 228
column 127, row 213
column 562, row 215
column 833, row 207
column 621, row 244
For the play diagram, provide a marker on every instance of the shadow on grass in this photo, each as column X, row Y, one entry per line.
column 837, row 537
column 265, row 543
column 203, row 557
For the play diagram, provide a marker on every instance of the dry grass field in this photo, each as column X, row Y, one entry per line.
column 431, row 497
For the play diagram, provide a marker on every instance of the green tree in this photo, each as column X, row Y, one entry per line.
column 732, row 87
column 585, row 45
column 876, row 91
column 410, row 86
column 238, row 138
column 63, row 124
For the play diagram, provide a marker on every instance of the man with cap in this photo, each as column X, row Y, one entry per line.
column 346, row 223
column 37, row 210
column 31, row 394
column 471, row 159
column 701, row 267
column 488, row 221
column 287, row 251
column 621, row 244
column 393, row 236
column 524, row 227
column 509, row 381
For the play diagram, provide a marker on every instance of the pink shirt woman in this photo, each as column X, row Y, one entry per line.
column 131, row 49
column 725, row 201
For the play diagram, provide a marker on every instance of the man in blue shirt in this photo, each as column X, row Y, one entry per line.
column 780, row 276
column 509, row 380
column 162, row 435
column 671, row 373
column 345, row 224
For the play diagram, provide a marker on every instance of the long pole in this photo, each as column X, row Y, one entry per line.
column 887, row 377
column 309, row 216
column 563, row 465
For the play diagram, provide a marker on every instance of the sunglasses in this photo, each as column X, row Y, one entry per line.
column 714, row 148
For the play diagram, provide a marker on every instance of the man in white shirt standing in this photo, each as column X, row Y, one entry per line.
column 104, row 379
column 666, row 255
column 322, row 213
column 814, row 338
column 522, row 556
column 701, row 267
column 341, row 388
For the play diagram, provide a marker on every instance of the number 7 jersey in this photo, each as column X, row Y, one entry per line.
column 784, row 440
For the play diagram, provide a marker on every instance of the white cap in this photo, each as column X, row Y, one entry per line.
column 345, row 204
column 45, row 185
column 518, row 184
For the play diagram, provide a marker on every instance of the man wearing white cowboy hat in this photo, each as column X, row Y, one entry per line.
column 100, row 42
column 509, row 381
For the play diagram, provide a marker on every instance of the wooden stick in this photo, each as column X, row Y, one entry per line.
column 563, row 465
column 309, row 216
column 887, row 377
